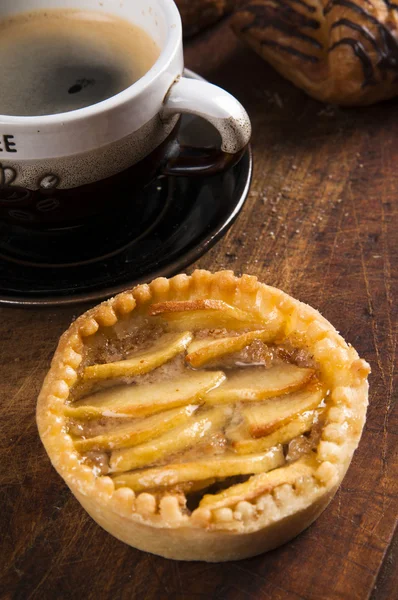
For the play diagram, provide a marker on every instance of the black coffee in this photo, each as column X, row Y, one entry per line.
column 60, row 60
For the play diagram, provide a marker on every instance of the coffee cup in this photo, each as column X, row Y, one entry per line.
column 61, row 170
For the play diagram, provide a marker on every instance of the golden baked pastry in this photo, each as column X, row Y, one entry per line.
column 203, row 417
column 199, row 14
column 338, row 51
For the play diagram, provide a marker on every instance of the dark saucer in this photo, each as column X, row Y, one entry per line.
column 173, row 223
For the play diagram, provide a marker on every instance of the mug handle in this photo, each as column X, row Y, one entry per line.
column 223, row 111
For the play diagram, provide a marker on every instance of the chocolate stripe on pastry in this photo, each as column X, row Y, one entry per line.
column 263, row 15
column 349, row 4
column 390, row 52
column 290, row 50
column 390, row 5
column 363, row 56
column 360, row 28
column 310, row 8
column 270, row 18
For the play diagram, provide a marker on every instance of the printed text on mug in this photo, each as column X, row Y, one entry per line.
column 7, row 144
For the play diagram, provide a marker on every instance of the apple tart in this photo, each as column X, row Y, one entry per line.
column 204, row 417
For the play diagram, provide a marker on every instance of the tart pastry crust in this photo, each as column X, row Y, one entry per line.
column 338, row 51
column 281, row 492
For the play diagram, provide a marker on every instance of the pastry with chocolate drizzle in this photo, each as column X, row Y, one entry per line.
column 338, row 51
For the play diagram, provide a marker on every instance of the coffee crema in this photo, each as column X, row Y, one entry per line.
column 56, row 61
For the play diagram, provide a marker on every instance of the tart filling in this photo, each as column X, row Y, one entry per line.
column 208, row 402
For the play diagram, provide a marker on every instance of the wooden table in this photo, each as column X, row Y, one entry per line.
column 320, row 223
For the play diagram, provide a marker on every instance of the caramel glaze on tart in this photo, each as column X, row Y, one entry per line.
column 207, row 417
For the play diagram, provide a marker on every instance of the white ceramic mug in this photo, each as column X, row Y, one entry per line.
column 55, row 169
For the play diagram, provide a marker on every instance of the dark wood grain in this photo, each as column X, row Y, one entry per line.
column 321, row 223
column 386, row 584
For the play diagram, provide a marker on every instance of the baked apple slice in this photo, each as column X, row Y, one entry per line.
column 253, row 384
column 135, row 432
column 203, row 314
column 218, row 467
column 176, row 440
column 142, row 400
column 139, row 363
column 243, row 443
column 262, row 419
column 203, row 351
column 258, row 485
